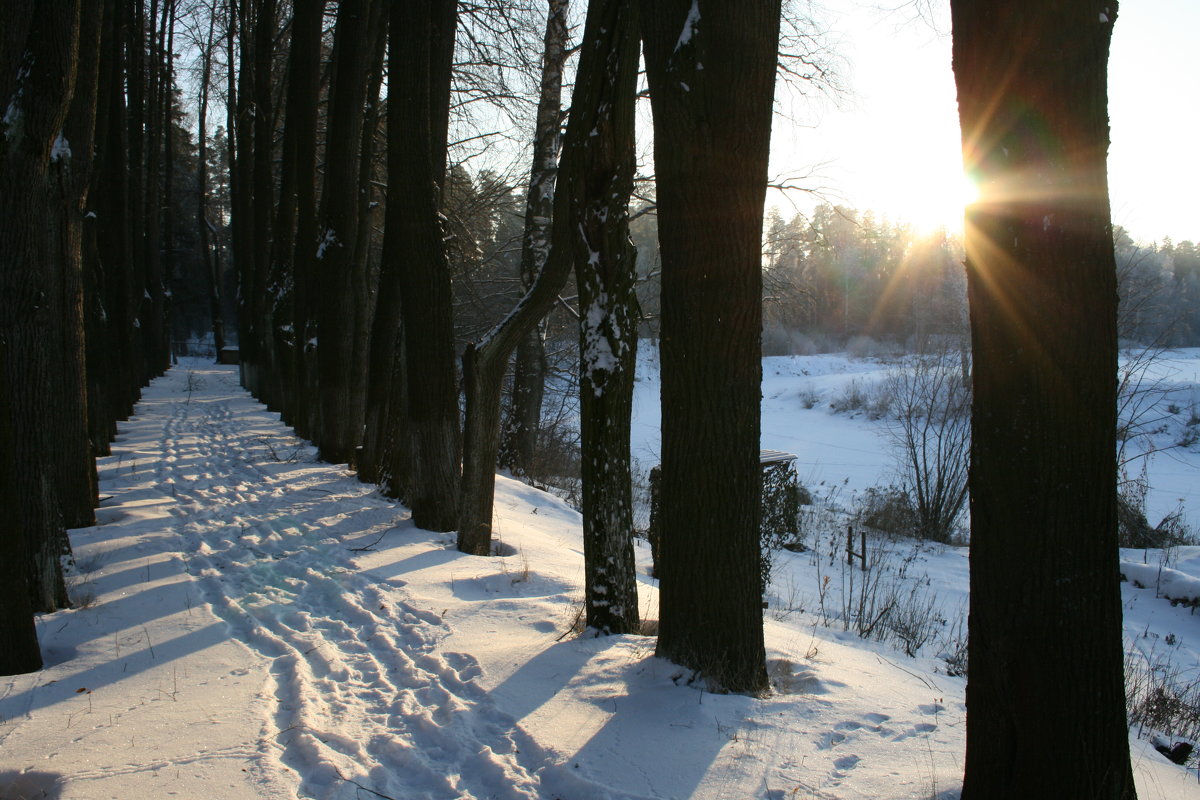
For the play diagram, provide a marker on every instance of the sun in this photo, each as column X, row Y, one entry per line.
column 937, row 204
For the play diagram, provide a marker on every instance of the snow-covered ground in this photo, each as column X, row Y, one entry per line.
column 254, row 624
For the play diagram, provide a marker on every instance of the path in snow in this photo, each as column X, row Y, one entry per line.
column 361, row 695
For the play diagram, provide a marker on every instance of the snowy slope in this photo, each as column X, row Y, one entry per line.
column 254, row 624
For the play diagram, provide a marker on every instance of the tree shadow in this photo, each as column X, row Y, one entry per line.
column 30, row 785
column 645, row 706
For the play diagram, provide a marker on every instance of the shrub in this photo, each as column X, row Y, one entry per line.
column 931, row 433
column 851, row 398
column 889, row 510
column 809, row 397
column 1159, row 697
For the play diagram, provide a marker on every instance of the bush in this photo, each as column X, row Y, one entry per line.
column 780, row 523
column 809, row 397
column 931, row 432
column 1159, row 697
column 1134, row 529
column 889, row 510
column 852, row 398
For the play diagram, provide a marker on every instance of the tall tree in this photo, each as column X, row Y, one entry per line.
column 600, row 184
column 293, row 244
column 433, row 441
column 299, row 179
column 40, row 59
column 711, row 69
column 19, row 650
column 484, row 361
column 519, row 437
column 381, row 460
column 74, row 462
column 338, row 433
column 204, row 227
column 1046, row 706
column 18, row 634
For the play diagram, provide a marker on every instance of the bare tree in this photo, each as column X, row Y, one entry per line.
column 484, row 361
column 519, row 436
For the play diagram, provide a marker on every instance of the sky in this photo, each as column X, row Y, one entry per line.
column 891, row 142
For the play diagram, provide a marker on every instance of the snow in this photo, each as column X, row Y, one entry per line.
column 61, row 151
column 597, row 355
column 1170, row 584
column 689, row 26
column 252, row 623
column 328, row 240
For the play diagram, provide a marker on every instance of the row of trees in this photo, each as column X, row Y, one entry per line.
column 838, row 273
column 355, row 344
column 87, row 165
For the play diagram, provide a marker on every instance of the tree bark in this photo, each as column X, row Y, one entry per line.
column 134, row 288
column 240, row 45
column 300, row 157
column 599, row 186
column 364, row 285
column 75, row 465
column 154, row 319
column 30, row 281
column 207, row 254
column 711, row 68
column 1045, row 694
column 433, row 441
column 19, row 651
column 484, row 361
column 104, row 366
column 339, row 230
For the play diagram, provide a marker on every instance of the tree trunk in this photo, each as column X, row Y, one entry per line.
column 711, row 68
column 386, row 400
column 207, row 254
column 484, row 361
column 263, row 177
column 30, row 279
column 293, row 242
column 599, row 186
column 19, row 651
column 518, row 443
column 154, row 318
column 168, row 192
column 364, row 288
column 241, row 172
column 102, row 363
column 433, row 442
column 112, row 351
column 338, row 436
column 134, row 288
column 75, row 465
column 304, row 88
column 519, row 438
column 1045, row 694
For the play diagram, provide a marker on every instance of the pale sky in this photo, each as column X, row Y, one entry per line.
column 892, row 144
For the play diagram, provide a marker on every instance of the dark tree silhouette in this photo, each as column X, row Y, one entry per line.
column 711, row 67
column 39, row 62
column 433, row 444
column 1046, row 706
